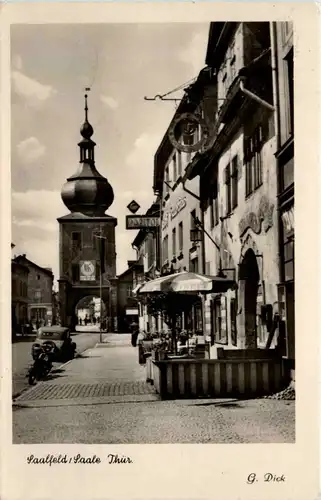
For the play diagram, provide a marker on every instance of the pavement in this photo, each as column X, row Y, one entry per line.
column 102, row 397
column 21, row 357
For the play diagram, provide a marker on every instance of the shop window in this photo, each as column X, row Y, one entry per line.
column 198, row 319
column 217, row 320
column 180, row 236
column 233, row 313
column 194, row 265
column 253, row 161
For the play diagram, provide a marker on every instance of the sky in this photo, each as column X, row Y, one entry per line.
column 50, row 67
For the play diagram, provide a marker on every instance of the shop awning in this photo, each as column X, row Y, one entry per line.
column 187, row 282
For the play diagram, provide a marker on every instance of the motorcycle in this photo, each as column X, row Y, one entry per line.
column 42, row 365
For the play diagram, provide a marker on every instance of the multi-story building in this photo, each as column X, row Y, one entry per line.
column 147, row 245
column 180, row 207
column 282, row 56
column 40, row 292
column 127, row 303
column 238, row 186
column 19, row 295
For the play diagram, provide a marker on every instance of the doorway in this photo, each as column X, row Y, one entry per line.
column 249, row 273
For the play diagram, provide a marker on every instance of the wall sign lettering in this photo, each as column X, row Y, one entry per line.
column 173, row 211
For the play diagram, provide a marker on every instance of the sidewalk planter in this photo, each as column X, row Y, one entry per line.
column 188, row 378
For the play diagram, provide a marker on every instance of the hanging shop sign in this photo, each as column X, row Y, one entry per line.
column 173, row 211
column 184, row 128
column 133, row 206
column 87, row 270
column 141, row 222
column 253, row 220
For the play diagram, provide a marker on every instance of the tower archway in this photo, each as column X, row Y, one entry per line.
column 91, row 312
column 249, row 277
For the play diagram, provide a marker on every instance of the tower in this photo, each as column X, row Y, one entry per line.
column 87, row 236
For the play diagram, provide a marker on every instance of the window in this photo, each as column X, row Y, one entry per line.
column 129, row 290
column 75, row 272
column 198, row 319
column 76, row 240
column 165, row 249
column 174, row 242
column 253, row 161
column 166, row 182
column 38, row 277
column 174, row 169
column 38, row 295
column 180, row 236
column 233, row 312
column 232, row 62
column 234, row 182
column 217, row 319
column 193, row 217
column 194, row 265
column 227, row 181
column 289, row 67
column 179, row 163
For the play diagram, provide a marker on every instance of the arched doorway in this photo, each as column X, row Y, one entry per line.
column 90, row 313
column 250, row 276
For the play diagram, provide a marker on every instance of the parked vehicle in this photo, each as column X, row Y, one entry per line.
column 59, row 338
column 42, row 365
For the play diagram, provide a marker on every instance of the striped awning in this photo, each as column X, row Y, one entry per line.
column 187, row 282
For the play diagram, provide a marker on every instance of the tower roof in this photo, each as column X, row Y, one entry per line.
column 87, row 191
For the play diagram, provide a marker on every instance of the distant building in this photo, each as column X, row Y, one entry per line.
column 127, row 304
column 147, row 246
column 19, row 295
column 39, row 291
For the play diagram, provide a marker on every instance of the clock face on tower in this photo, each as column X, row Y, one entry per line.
column 87, row 270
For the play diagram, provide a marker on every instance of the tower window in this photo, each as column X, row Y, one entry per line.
column 76, row 240
column 75, row 272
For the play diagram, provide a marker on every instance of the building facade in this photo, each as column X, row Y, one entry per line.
column 282, row 51
column 19, row 296
column 239, row 187
column 180, row 209
column 40, row 297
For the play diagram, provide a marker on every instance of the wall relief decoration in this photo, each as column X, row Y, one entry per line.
column 254, row 221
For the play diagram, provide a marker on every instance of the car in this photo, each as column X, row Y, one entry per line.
column 59, row 338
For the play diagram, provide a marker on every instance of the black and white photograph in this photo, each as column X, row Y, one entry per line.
column 153, row 233
column 155, row 344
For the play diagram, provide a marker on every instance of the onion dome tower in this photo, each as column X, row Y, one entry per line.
column 87, row 191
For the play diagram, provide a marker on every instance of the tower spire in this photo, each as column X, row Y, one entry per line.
column 87, row 89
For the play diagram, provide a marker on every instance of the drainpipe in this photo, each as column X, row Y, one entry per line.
column 275, row 78
column 255, row 97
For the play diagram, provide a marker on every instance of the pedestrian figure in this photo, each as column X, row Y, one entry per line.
column 135, row 331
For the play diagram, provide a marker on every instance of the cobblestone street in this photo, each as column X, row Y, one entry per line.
column 102, row 397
